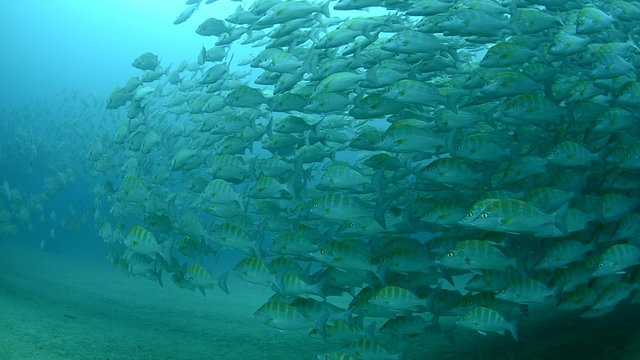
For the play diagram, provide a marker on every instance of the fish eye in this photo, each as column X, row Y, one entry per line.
column 484, row 215
column 504, row 291
column 450, row 254
column 322, row 251
column 469, row 214
column 600, row 266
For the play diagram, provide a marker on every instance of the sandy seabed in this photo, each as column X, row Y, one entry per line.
column 60, row 306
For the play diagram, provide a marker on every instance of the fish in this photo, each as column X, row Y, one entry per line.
column 484, row 320
column 526, row 291
column 397, row 299
column 365, row 348
column 200, row 277
column 255, row 271
column 563, row 252
column 146, row 61
column 186, row 13
column 212, row 27
column 143, row 242
column 283, row 316
column 512, row 215
column 281, row 13
column 616, row 259
column 476, row 255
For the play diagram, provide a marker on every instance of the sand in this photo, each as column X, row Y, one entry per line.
column 63, row 306
column 58, row 307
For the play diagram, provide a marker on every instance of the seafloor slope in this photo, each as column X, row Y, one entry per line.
column 62, row 306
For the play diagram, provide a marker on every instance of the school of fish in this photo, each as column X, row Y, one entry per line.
column 43, row 147
column 434, row 166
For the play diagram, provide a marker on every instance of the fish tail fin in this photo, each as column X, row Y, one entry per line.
column 165, row 249
column 321, row 325
column 631, row 41
column 378, row 215
column 520, row 263
column 513, row 329
column 222, row 282
column 292, row 187
column 259, row 239
column 381, row 271
column 348, row 317
column 324, row 9
column 370, row 331
column 451, row 140
column 309, row 63
column 560, row 218
column 430, row 301
column 513, row 7
column 557, row 292
column 158, row 277
column 513, row 11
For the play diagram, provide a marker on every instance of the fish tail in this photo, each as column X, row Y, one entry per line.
column 324, row 9
column 222, row 282
column 560, row 218
column 513, row 329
